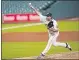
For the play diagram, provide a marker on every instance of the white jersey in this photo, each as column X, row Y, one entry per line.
column 43, row 20
column 55, row 24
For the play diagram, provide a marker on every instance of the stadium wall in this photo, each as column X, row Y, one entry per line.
column 65, row 9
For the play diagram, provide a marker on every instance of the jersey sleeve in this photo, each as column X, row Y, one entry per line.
column 42, row 18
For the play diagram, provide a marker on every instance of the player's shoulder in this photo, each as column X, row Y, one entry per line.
column 54, row 20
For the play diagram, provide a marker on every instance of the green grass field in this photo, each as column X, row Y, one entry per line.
column 63, row 26
column 24, row 49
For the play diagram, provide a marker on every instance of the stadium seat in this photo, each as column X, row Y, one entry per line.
column 19, row 6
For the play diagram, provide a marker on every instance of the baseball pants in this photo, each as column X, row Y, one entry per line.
column 52, row 41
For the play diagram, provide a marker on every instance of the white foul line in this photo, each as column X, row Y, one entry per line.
column 26, row 25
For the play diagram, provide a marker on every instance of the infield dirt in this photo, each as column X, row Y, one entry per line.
column 37, row 36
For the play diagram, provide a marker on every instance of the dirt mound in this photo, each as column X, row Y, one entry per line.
column 68, row 55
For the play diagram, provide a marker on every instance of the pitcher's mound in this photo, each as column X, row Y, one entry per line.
column 67, row 55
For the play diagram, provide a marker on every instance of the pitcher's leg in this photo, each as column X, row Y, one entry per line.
column 66, row 45
column 48, row 45
column 46, row 49
column 59, row 43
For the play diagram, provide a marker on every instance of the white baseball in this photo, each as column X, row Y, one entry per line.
column 29, row 3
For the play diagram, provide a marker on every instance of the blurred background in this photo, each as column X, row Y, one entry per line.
column 60, row 9
column 23, row 35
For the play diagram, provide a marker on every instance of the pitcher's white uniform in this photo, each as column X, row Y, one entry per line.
column 52, row 34
column 52, row 31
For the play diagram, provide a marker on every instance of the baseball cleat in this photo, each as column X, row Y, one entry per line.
column 40, row 57
column 68, row 46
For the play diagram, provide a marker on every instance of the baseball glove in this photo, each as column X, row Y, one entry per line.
column 50, row 24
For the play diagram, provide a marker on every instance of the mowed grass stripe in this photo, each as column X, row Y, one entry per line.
column 63, row 26
column 69, row 25
column 25, row 49
column 36, row 28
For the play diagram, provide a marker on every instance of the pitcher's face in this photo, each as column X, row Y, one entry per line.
column 49, row 18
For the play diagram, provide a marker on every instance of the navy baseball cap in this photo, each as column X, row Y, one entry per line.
column 48, row 14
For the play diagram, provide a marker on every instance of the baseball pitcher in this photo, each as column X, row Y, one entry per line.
column 53, row 32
